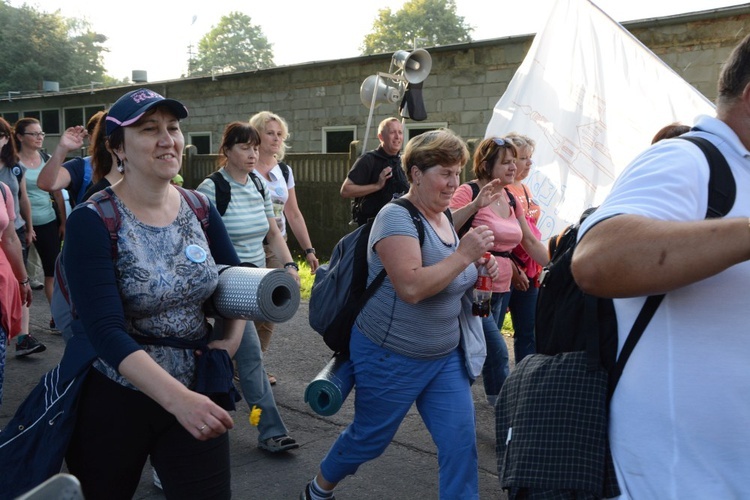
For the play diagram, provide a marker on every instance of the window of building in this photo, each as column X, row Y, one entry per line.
column 201, row 141
column 80, row 116
column 48, row 118
column 414, row 129
column 11, row 117
column 338, row 139
column 73, row 117
column 51, row 121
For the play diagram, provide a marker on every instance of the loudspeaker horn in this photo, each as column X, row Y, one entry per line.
column 383, row 92
column 416, row 64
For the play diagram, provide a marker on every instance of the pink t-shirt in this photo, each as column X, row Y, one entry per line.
column 507, row 231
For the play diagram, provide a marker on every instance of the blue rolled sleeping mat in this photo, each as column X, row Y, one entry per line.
column 329, row 389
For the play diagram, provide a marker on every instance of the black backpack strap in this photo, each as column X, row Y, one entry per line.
column 722, row 191
column 641, row 322
column 467, row 225
column 415, row 216
column 474, row 189
column 417, row 220
column 284, row 171
column 258, row 184
column 223, row 191
column 511, row 199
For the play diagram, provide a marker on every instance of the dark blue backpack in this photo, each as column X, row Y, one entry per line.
column 340, row 288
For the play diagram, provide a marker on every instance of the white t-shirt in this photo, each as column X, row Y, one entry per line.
column 279, row 190
column 680, row 416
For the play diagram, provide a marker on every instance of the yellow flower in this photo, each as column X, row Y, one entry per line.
column 255, row 416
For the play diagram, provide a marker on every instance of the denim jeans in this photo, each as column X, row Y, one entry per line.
column 496, row 367
column 523, row 314
column 387, row 385
column 254, row 382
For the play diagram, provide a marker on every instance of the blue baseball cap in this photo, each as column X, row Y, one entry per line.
column 131, row 107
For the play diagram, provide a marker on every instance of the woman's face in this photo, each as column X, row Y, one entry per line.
column 242, row 156
column 32, row 137
column 523, row 162
column 436, row 185
column 271, row 138
column 153, row 146
column 505, row 167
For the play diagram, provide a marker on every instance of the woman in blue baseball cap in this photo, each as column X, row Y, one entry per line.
column 139, row 294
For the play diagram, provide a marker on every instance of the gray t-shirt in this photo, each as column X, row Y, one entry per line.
column 428, row 329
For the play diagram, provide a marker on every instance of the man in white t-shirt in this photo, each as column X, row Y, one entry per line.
column 680, row 414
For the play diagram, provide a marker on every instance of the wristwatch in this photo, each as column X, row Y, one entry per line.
column 309, row 251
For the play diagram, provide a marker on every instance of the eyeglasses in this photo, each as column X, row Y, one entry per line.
column 35, row 134
column 501, row 142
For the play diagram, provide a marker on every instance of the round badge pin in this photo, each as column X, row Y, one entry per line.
column 195, row 253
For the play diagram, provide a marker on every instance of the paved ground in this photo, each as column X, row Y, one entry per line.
column 407, row 470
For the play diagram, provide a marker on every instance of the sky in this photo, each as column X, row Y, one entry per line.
column 155, row 35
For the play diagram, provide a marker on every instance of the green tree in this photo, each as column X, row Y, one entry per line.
column 39, row 46
column 434, row 20
column 234, row 45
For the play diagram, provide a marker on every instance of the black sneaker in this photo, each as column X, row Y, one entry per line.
column 28, row 345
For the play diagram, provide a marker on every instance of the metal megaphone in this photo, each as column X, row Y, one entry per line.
column 416, row 64
column 384, row 93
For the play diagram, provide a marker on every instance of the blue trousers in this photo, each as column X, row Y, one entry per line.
column 497, row 366
column 254, row 382
column 387, row 384
column 522, row 307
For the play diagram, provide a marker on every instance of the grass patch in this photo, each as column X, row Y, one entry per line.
column 507, row 328
column 305, row 278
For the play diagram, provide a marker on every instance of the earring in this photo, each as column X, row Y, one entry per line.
column 120, row 165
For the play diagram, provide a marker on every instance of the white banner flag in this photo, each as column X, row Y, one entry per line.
column 592, row 97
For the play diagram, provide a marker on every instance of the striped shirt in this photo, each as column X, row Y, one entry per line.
column 246, row 218
column 425, row 330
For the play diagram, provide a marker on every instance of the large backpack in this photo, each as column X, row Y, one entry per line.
column 224, row 190
column 63, row 310
column 340, row 288
column 561, row 303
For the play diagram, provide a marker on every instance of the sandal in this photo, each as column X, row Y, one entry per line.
column 271, row 379
column 278, row 443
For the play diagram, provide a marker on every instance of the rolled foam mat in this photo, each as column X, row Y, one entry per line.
column 254, row 293
column 329, row 389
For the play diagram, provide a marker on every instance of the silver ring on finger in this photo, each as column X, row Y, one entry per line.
column 202, row 427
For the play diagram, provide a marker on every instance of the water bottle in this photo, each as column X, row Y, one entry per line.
column 482, row 290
